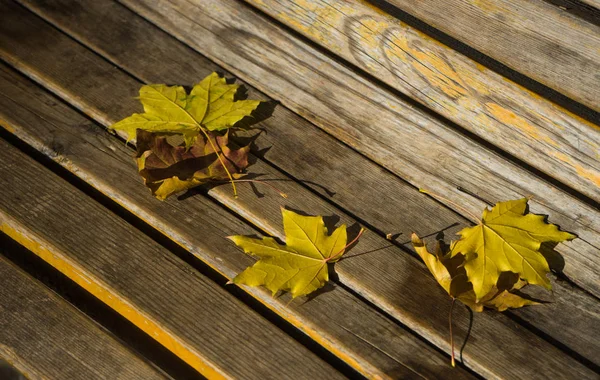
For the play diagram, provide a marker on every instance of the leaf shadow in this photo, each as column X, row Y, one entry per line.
column 467, row 335
column 258, row 153
column 555, row 260
column 432, row 304
column 328, row 287
column 264, row 111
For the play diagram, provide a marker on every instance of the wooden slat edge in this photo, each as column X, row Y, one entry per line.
column 485, row 103
column 534, row 38
column 290, row 139
column 20, row 291
column 593, row 3
column 421, row 150
column 101, row 291
column 340, row 322
column 178, row 331
column 502, row 113
column 269, row 224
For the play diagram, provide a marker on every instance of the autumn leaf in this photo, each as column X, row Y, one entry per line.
column 169, row 169
column 450, row 273
column 299, row 266
column 507, row 240
column 210, row 106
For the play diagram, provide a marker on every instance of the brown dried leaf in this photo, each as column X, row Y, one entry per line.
column 169, row 168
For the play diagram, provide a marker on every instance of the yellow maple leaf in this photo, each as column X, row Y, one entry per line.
column 451, row 275
column 507, row 240
column 299, row 266
column 210, row 106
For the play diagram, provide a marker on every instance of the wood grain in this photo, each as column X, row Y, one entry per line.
column 336, row 319
column 390, row 266
column 594, row 3
column 401, row 138
column 534, row 38
column 187, row 313
column 481, row 101
column 43, row 336
column 303, row 151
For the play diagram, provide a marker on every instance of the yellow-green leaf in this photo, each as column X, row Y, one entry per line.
column 300, row 266
column 222, row 111
column 168, row 109
column 450, row 274
column 507, row 240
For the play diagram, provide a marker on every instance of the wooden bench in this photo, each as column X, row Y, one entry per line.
column 369, row 110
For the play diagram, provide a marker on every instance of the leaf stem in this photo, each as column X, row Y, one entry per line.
column 362, row 230
column 452, row 203
column 222, row 162
column 451, row 336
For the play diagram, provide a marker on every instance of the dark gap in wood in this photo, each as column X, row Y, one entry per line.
column 595, row 118
column 72, row 38
column 121, row 328
column 500, row 68
column 406, row 250
column 582, row 359
column 370, row 77
column 8, row 372
column 586, row 12
column 182, row 254
column 355, row 217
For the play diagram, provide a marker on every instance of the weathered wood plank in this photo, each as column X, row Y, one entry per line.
column 43, row 336
column 535, row 38
column 408, row 142
column 518, row 121
column 289, row 142
column 186, row 312
column 266, row 214
column 594, row 3
column 578, row 8
column 342, row 323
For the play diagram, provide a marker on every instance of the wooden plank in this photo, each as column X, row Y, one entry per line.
column 578, row 8
column 186, row 312
column 266, row 213
column 488, row 105
column 291, row 140
column 43, row 336
column 407, row 141
column 534, row 38
column 339, row 321
column 335, row 307
column 593, row 3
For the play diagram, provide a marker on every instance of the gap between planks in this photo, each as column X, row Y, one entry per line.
column 450, row 158
column 535, row 39
column 204, row 241
column 110, row 320
column 43, row 336
column 51, row 208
